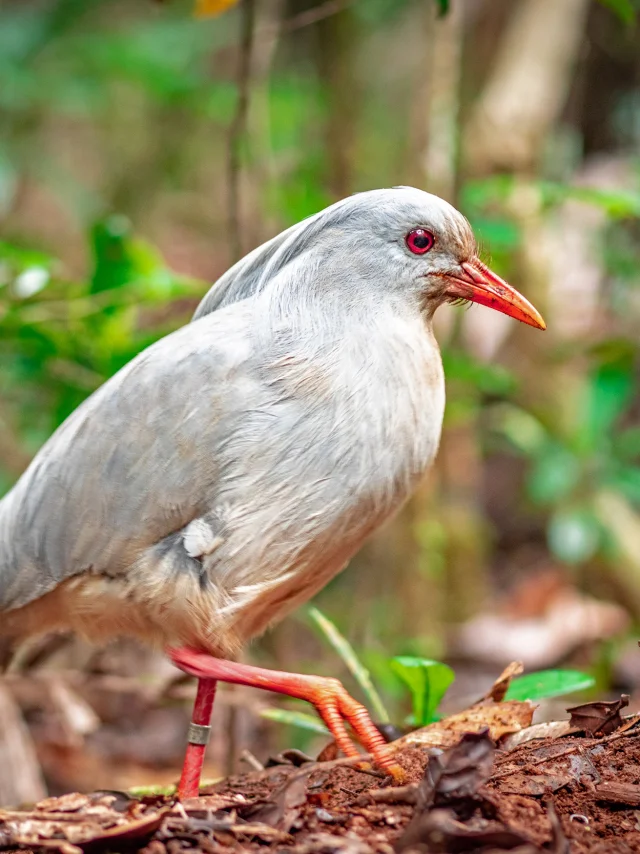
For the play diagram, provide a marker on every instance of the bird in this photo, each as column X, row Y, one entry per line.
column 232, row 468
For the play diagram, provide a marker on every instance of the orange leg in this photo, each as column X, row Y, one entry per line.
column 333, row 703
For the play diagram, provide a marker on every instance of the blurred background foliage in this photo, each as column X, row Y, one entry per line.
column 143, row 148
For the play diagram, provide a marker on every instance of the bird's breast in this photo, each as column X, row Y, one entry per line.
column 345, row 439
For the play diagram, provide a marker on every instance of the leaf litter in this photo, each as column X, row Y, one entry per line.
column 479, row 789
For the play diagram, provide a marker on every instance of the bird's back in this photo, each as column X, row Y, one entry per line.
column 131, row 464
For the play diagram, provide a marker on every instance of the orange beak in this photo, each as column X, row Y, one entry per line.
column 475, row 282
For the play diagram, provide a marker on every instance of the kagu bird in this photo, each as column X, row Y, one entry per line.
column 231, row 469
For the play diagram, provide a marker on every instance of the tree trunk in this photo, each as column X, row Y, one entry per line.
column 527, row 87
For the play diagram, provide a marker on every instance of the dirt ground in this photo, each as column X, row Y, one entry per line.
column 571, row 793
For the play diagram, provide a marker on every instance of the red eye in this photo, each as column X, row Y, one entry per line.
column 419, row 241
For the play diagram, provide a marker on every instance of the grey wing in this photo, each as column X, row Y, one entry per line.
column 133, row 464
column 257, row 269
column 247, row 276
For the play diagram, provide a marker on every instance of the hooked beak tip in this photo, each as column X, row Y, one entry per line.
column 477, row 283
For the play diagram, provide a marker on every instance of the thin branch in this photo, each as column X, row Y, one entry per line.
column 318, row 13
column 237, row 131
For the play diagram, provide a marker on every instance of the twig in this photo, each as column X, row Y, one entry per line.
column 392, row 795
column 252, row 761
column 318, row 13
column 237, row 131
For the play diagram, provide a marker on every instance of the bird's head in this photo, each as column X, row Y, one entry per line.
column 418, row 243
column 401, row 241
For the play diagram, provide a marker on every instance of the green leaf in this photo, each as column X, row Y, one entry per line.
column 348, row 655
column 610, row 391
column 617, row 204
column 113, row 264
column 476, row 376
column 298, row 719
column 522, row 429
column 548, row 683
column 624, row 9
column 555, row 474
column 443, row 7
column 148, row 791
column 626, row 481
column 574, row 535
column 499, row 233
column 428, row 682
column 627, row 444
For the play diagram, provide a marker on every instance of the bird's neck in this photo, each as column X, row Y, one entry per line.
column 363, row 358
column 332, row 307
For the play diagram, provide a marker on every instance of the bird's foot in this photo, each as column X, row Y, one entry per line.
column 333, row 703
column 335, row 706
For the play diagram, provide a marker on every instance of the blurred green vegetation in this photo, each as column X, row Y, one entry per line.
column 115, row 124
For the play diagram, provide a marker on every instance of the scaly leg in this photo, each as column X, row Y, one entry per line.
column 199, row 729
column 333, row 703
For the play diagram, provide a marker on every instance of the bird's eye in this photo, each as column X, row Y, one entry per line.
column 419, row 241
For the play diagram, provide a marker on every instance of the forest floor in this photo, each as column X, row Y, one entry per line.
column 549, row 788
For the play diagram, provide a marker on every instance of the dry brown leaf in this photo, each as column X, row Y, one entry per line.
column 72, row 821
column 533, row 785
column 599, row 718
column 548, row 729
column 285, row 805
column 440, row 831
column 210, row 8
column 461, row 770
column 500, row 718
column 72, row 802
column 500, row 687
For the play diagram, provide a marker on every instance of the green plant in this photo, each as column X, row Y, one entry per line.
column 548, row 683
column 583, row 465
column 60, row 339
column 347, row 653
column 427, row 682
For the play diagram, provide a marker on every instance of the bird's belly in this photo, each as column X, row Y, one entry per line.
column 277, row 600
column 306, row 540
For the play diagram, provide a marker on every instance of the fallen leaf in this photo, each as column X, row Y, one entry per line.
column 209, row 803
column 72, row 821
column 568, row 620
column 439, row 831
column 292, row 756
column 144, row 826
column 460, row 771
column 328, row 753
column 72, row 802
column 548, row 729
column 284, row 807
column 389, row 731
column 599, row 718
column 533, row 785
column 500, row 719
column 501, row 685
